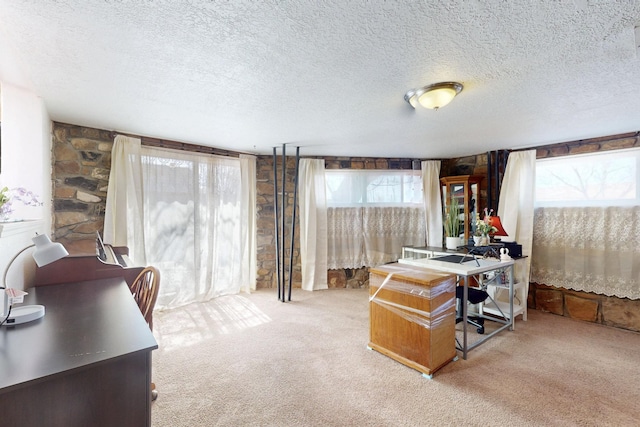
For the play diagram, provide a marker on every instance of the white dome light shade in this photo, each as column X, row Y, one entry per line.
column 434, row 96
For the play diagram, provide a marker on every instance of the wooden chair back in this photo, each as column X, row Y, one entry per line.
column 145, row 291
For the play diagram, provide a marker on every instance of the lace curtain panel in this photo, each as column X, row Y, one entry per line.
column 591, row 249
column 345, row 238
column 371, row 236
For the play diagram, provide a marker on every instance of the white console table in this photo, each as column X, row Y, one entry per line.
column 465, row 270
column 497, row 307
column 417, row 252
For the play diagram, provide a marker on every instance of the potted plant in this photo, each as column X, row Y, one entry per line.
column 452, row 224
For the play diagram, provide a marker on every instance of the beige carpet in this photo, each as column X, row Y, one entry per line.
column 250, row 360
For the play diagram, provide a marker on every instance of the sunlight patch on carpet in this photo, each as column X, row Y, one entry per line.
column 198, row 322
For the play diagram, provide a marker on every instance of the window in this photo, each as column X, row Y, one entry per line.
column 586, row 223
column 371, row 215
column 600, row 179
column 193, row 224
column 373, row 187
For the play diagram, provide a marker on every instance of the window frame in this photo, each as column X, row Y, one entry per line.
column 566, row 162
column 363, row 190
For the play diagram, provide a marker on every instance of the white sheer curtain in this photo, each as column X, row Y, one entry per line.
column 432, row 201
column 248, row 221
column 124, row 212
column 194, row 230
column 515, row 207
column 590, row 249
column 313, row 224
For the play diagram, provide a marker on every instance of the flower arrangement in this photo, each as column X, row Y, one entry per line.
column 19, row 194
column 483, row 226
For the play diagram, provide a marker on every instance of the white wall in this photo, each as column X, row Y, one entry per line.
column 26, row 162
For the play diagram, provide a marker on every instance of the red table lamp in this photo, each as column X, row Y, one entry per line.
column 495, row 222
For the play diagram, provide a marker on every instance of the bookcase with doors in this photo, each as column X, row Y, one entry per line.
column 466, row 190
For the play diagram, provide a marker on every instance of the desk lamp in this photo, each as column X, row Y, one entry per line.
column 45, row 253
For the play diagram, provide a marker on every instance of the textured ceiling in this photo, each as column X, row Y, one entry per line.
column 330, row 76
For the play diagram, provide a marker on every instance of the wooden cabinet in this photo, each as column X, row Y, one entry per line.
column 412, row 316
column 466, row 190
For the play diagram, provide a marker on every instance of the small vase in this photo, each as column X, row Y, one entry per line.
column 477, row 240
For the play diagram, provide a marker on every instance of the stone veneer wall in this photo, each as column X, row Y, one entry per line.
column 266, row 250
column 81, row 165
column 82, row 160
column 341, row 278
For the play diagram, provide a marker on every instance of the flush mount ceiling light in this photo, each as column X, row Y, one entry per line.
column 433, row 96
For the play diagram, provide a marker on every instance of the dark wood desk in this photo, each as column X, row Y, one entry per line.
column 87, row 362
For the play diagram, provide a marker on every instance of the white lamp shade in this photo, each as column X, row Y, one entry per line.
column 46, row 251
column 436, row 98
column 433, row 96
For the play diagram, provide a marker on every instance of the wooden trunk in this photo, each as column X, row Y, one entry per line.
column 412, row 315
